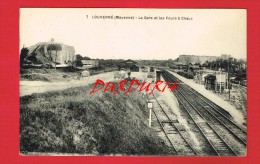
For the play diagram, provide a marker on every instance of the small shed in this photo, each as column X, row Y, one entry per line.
column 210, row 82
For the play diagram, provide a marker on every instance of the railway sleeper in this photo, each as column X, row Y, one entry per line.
column 172, row 121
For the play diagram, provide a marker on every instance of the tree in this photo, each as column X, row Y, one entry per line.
column 79, row 57
column 86, row 58
column 78, row 60
column 23, row 55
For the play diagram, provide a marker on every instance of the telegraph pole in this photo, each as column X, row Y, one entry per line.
column 220, row 81
column 229, row 78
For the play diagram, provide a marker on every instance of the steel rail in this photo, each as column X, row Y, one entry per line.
column 164, row 131
column 235, row 135
column 210, row 104
column 196, row 153
column 225, row 124
column 204, row 119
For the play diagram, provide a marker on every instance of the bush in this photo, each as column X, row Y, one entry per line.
column 35, row 77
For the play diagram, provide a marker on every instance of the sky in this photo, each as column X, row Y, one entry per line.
column 209, row 32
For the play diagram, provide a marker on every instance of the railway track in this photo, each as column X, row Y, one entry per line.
column 226, row 137
column 181, row 140
column 215, row 110
column 220, row 116
column 171, row 131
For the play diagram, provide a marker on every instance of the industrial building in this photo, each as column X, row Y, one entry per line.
column 129, row 65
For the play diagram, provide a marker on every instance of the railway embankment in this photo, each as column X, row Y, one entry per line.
column 76, row 122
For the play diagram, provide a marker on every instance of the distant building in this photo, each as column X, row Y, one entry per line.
column 187, row 59
column 176, row 65
column 130, row 65
column 127, row 63
column 225, row 56
column 89, row 63
column 194, row 59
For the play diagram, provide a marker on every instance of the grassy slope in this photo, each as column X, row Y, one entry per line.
column 73, row 121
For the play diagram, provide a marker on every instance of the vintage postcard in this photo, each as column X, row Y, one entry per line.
column 133, row 82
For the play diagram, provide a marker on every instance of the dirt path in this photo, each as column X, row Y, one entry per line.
column 29, row 87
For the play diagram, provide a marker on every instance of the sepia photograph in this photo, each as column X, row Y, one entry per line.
column 133, row 82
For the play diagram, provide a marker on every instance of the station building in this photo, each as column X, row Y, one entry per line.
column 129, row 65
column 217, row 81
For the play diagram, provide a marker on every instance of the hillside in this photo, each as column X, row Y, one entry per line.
column 74, row 121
